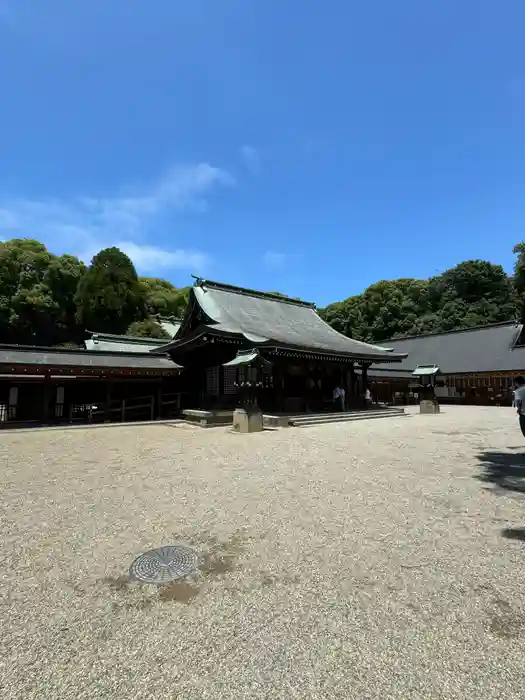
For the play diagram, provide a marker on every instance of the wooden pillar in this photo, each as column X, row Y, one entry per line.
column 159, row 400
column 351, row 380
column 107, row 414
column 46, row 395
column 60, row 392
column 353, row 387
column 12, row 403
column 277, row 375
column 221, row 386
column 365, row 376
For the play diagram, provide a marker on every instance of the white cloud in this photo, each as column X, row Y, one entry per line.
column 84, row 225
column 274, row 259
column 150, row 258
column 251, row 159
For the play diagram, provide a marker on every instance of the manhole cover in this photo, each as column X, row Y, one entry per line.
column 163, row 565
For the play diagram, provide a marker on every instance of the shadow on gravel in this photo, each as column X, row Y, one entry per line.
column 514, row 533
column 506, row 471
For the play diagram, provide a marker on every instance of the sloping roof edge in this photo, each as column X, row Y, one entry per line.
column 425, row 370
column 478, row 349
column 89, row 355
column 139, row 340
column 499, row 324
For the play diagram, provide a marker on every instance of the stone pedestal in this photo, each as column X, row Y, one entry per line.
column 428, row 406
column 248, row 420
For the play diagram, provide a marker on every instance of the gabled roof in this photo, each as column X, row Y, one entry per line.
column 489, row 348
column 426, row 371
column 111, row 342
column 268, row 319
column 41, row 357
column 247, row 357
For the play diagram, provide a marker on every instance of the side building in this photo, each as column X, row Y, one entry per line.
column 115, row 378
column 477, row 365
column 49, row 386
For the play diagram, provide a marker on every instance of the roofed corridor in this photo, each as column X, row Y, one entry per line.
column 372, row 560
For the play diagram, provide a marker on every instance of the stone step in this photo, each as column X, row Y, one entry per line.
column 209, row 419
column 321, row 418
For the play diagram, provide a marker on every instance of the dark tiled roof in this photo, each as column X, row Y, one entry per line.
column 57, row 357
column 272, row 320
column 122, row 343
column 482, row 349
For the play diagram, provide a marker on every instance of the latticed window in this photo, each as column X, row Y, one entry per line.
column 59, row 403
column 213, row 381
column 267, row 379
column 230, row 377
column 13, row 403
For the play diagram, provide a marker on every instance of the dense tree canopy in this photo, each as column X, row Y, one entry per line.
column 47, row 299
column 148, row 328
column 472, row 293
column 519, row 276
column 109, row 295
column 163, row 298
column 37, row 294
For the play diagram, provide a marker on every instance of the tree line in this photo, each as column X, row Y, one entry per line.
column 473, row 293
column 52, row 300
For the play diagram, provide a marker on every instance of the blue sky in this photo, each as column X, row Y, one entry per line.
column 309, row 147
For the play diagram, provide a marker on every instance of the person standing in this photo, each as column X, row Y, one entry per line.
column 339, row 397
column 519, row 401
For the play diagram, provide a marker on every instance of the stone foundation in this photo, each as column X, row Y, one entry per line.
column 428, row 406
column 248, row 420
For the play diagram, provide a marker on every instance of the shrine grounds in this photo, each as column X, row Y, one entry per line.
column 366, row 560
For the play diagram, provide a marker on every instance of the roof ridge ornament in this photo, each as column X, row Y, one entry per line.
column 199, row 281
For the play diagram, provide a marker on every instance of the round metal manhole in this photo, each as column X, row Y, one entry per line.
column 164, row 565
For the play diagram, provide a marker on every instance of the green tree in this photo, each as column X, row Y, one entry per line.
column 148, row 328
column 109, row 295
column 519, row 279
column 37, row 292
column 62, row 277
column 475, row 292
column 163, row 298
column 384, row 310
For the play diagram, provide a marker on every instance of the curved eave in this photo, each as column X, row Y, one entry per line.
column 200, row 335
column 328, row 354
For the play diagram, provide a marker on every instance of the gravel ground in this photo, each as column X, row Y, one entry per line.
column 360, row 560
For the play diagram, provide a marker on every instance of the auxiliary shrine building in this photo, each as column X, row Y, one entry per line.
column 476, row 365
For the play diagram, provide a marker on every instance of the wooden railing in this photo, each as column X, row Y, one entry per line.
column 135, row 408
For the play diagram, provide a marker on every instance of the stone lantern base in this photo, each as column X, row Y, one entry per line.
column 428, row 406
column 248, row 420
